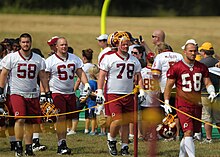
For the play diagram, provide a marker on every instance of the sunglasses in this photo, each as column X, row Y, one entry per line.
column 136, row 53
column 153, row 36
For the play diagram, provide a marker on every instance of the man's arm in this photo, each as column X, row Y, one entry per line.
column 101, row 79
column 168, row 88
column 44, row 80
column 3, row 77
column 82, row 75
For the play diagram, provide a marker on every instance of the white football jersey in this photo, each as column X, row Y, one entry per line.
column 121, row 72
column 23, row 73
column 152, row 91
column 162, row 63
column 62, row 72
column 104, row 51
column 85, row 68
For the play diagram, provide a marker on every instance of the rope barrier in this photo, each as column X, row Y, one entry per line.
column 135, row 90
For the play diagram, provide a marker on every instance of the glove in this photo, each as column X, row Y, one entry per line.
column 2, row 96
column 167, row 107
column 3, row 110
column 49, row 97
column 100, row 99
column 98, row 109
column 43, row 98
column 87, row 89
column 141, row 96
column 212, row 96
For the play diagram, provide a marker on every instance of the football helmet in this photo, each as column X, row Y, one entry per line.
column 114, row 38
column 49, row 111
column 168, row 127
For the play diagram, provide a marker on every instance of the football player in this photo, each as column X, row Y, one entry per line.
column 62, row 67
column 163, row 61
column 188, row 75
column 23, row 67
column 120, row 68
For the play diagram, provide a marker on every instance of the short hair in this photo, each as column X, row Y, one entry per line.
column 25, row 35
column 37, row 51
column 88, row 53
column 70, row 49
column 162, row 47
column 209, row 52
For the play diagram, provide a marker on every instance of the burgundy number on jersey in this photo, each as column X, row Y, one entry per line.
column 63, row 73
column 25, row 70
column 129, row 68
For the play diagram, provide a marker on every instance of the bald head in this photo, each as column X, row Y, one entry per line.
column 158, row 36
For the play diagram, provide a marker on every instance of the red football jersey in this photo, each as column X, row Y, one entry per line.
column 188, row 81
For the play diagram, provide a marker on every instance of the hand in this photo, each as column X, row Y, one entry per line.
column 98, row 109
column 212, row 96
column 2, row 96
column 49, row 97
column 3, row 112
column 167, row 107
column 87, row 89
column 100, row 99
column 43, row 98
column 141, row 96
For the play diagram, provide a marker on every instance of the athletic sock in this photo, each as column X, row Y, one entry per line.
column 189, row 146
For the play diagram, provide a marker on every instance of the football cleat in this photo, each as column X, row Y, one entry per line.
column 167, row 129
column 63, row 149
column 36, row 146
column 112, row 148
column 29, row 150
column 124, row 151
column 18, row 149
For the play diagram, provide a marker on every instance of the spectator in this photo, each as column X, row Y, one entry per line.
column 138, row 53
column 15, row 45
column 87, row 56
column 210, row 111
column 52, row 43
column 158, row 36
column 187, row 75
column 102, row 42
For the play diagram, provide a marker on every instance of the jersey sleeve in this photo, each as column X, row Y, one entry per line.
column 47, row 63
column 103, row 65
column 156, row 68
column 171, row 73
column 6, row 63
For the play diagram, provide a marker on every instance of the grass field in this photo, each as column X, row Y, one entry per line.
column 81, row 31
column 83, row 145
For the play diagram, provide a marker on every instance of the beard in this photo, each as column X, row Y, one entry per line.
column 26, row 49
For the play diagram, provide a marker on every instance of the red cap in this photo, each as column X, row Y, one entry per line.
column 53, row 40
column 150, row 55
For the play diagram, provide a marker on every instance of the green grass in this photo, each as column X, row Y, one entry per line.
column 83, row 145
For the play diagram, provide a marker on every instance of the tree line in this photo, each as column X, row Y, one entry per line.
column 140, row 8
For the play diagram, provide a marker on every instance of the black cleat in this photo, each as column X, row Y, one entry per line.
column 63, row 149
column 18, row 148
column 112, row 148
column 36, row 146
column 124, row 151
column 13, row 143
column 29, row 150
